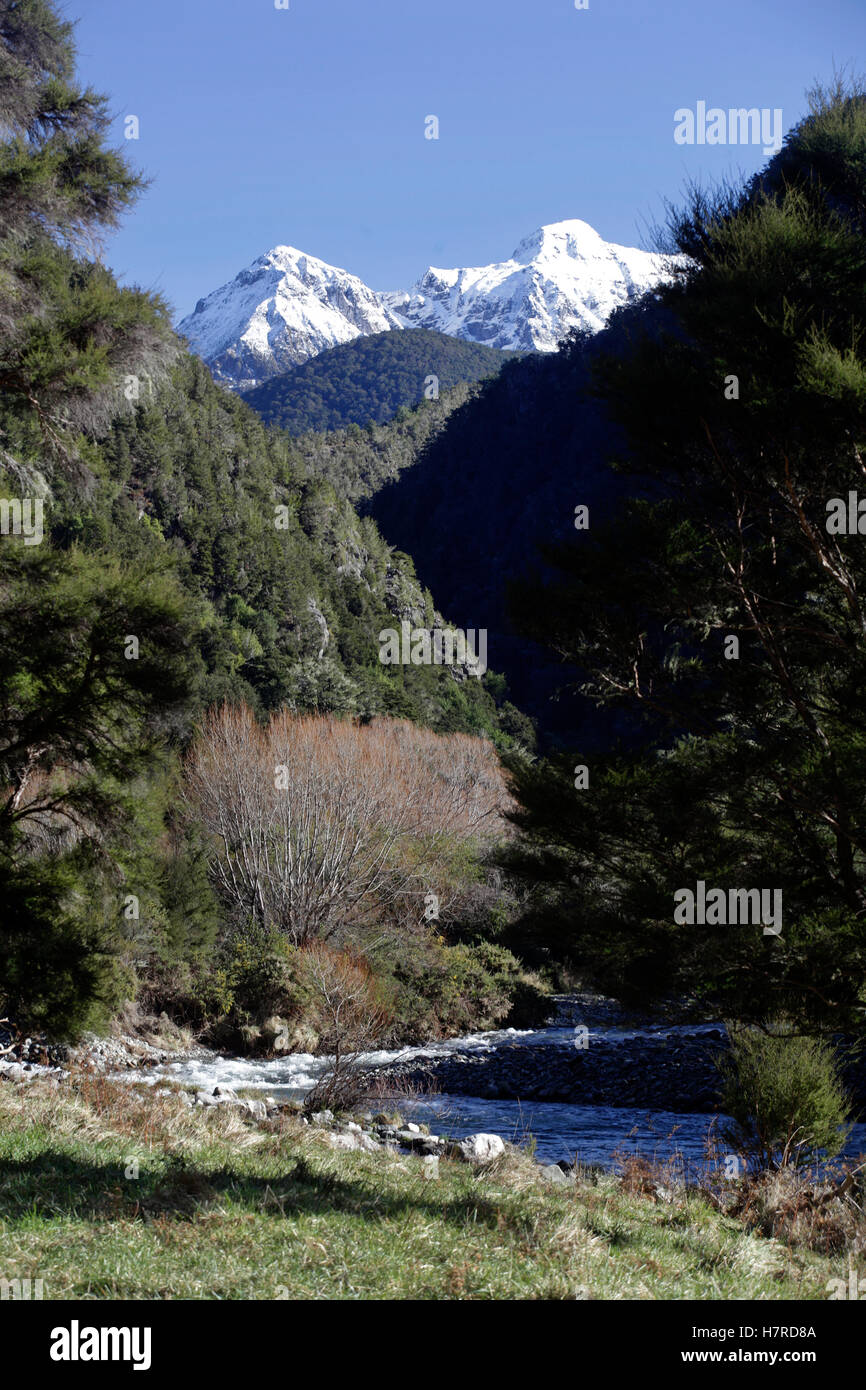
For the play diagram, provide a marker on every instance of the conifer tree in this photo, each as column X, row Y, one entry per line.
column 70, row 335
column 99, row 656
column 724, row 606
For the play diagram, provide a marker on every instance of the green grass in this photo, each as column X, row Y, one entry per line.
column 222, row 1209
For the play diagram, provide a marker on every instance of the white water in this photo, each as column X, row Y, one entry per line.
column 591, row 1133
column 299, row 1071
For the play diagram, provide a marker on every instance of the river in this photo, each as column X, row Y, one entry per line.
column 525, row 1076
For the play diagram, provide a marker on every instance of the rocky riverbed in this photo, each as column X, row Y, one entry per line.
column 121, row 1052
column 678, row 1074
column 595, row 1081
column 593, row 1053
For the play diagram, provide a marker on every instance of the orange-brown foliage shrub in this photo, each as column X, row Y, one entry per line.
column 317, row 821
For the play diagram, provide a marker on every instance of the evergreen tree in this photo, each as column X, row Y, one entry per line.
column 723, row 607
column 68, row 331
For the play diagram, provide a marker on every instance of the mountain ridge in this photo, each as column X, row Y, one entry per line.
column 562, row 276
column 287, row 306
column 282, row 309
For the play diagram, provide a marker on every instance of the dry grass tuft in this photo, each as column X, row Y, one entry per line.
column 826, row 1216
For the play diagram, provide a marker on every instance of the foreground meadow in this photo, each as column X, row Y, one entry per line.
column 109, row 1191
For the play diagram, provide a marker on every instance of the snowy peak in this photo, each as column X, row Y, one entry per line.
column 288, row 306
column 572, row 238
column 285, row 307
column 562, row 276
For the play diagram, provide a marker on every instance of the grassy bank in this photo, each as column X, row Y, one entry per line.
column 224, row 1209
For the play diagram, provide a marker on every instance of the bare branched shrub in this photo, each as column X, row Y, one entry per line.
column 317, row 821
column 351, row 1018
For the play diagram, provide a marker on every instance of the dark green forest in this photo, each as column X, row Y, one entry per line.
column 189, row 558
column 371, row 379
column 718, row 608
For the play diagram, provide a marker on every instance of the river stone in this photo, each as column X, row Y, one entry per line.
column 203, row 1098
column 481, row 1148
column 410, row 1139
column 552, row 1173
column 361, row 1141
column 340, row 1141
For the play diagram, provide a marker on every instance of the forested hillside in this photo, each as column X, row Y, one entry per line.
column 472, row 483
column 299, row 585
column 164, row 554
column 370, row 379
column 358, row 462
column 502, row 478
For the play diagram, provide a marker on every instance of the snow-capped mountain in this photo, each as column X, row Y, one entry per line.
column 282, row 309
column 288, row 306
column 563, row 276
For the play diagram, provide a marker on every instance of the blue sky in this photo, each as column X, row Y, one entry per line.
column 306, row 126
